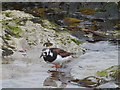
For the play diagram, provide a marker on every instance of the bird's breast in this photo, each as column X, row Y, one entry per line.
column 49, row 58
column 61, row 59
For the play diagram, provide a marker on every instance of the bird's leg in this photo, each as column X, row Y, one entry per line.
column 57, row 66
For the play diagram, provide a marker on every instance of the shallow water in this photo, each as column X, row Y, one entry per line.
column 99, row 56
column 32, row 72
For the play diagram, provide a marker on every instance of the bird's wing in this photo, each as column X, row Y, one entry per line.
column 61, row 52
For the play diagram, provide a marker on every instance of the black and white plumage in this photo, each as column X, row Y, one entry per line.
column 56, row 55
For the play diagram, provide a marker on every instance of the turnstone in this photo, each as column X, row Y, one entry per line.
column 56, row 56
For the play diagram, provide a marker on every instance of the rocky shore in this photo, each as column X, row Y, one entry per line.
column 24, row 35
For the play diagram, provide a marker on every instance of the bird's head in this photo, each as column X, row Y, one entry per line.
column 46, row 52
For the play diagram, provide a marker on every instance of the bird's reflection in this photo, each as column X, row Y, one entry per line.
column 57, row 77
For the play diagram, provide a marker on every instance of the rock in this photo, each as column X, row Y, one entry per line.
column 39, row 11
column 111, row 73
column 31, row 34
column 109, row 85
column 90, row 81
column 49, row 82
column 6, row 52
column 7, row 60
column 76, row 41
column 87, row 11
column 48, row 24
column 68, row 20
column 14, row 14
column 13, row 31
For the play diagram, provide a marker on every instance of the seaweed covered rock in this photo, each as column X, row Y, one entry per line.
column 68, row 20
column 111, row 73
column 87, row 11
column 90, row 82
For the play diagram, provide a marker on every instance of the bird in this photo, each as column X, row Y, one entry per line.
column 56, row 56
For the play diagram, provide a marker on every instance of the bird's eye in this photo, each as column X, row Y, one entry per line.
column 45, row 53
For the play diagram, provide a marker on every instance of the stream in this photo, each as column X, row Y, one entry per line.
column 31, row 72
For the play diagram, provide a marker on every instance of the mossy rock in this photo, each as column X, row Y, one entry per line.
column 7, row 14
column 17, row 21
column 21, row 22
column 13, row 30
column 100, row 10
column 90, row 81
column 116, row 74
column 102, row 73
column 71, row 20
column 7, row 37
column 87, row 11
column 113, row 71
column 76, row 41
column 49, row 25
column 117, row 27
column 116, row 31
column 54, row 10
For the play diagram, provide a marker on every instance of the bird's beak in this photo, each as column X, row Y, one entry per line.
column 41, row 55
